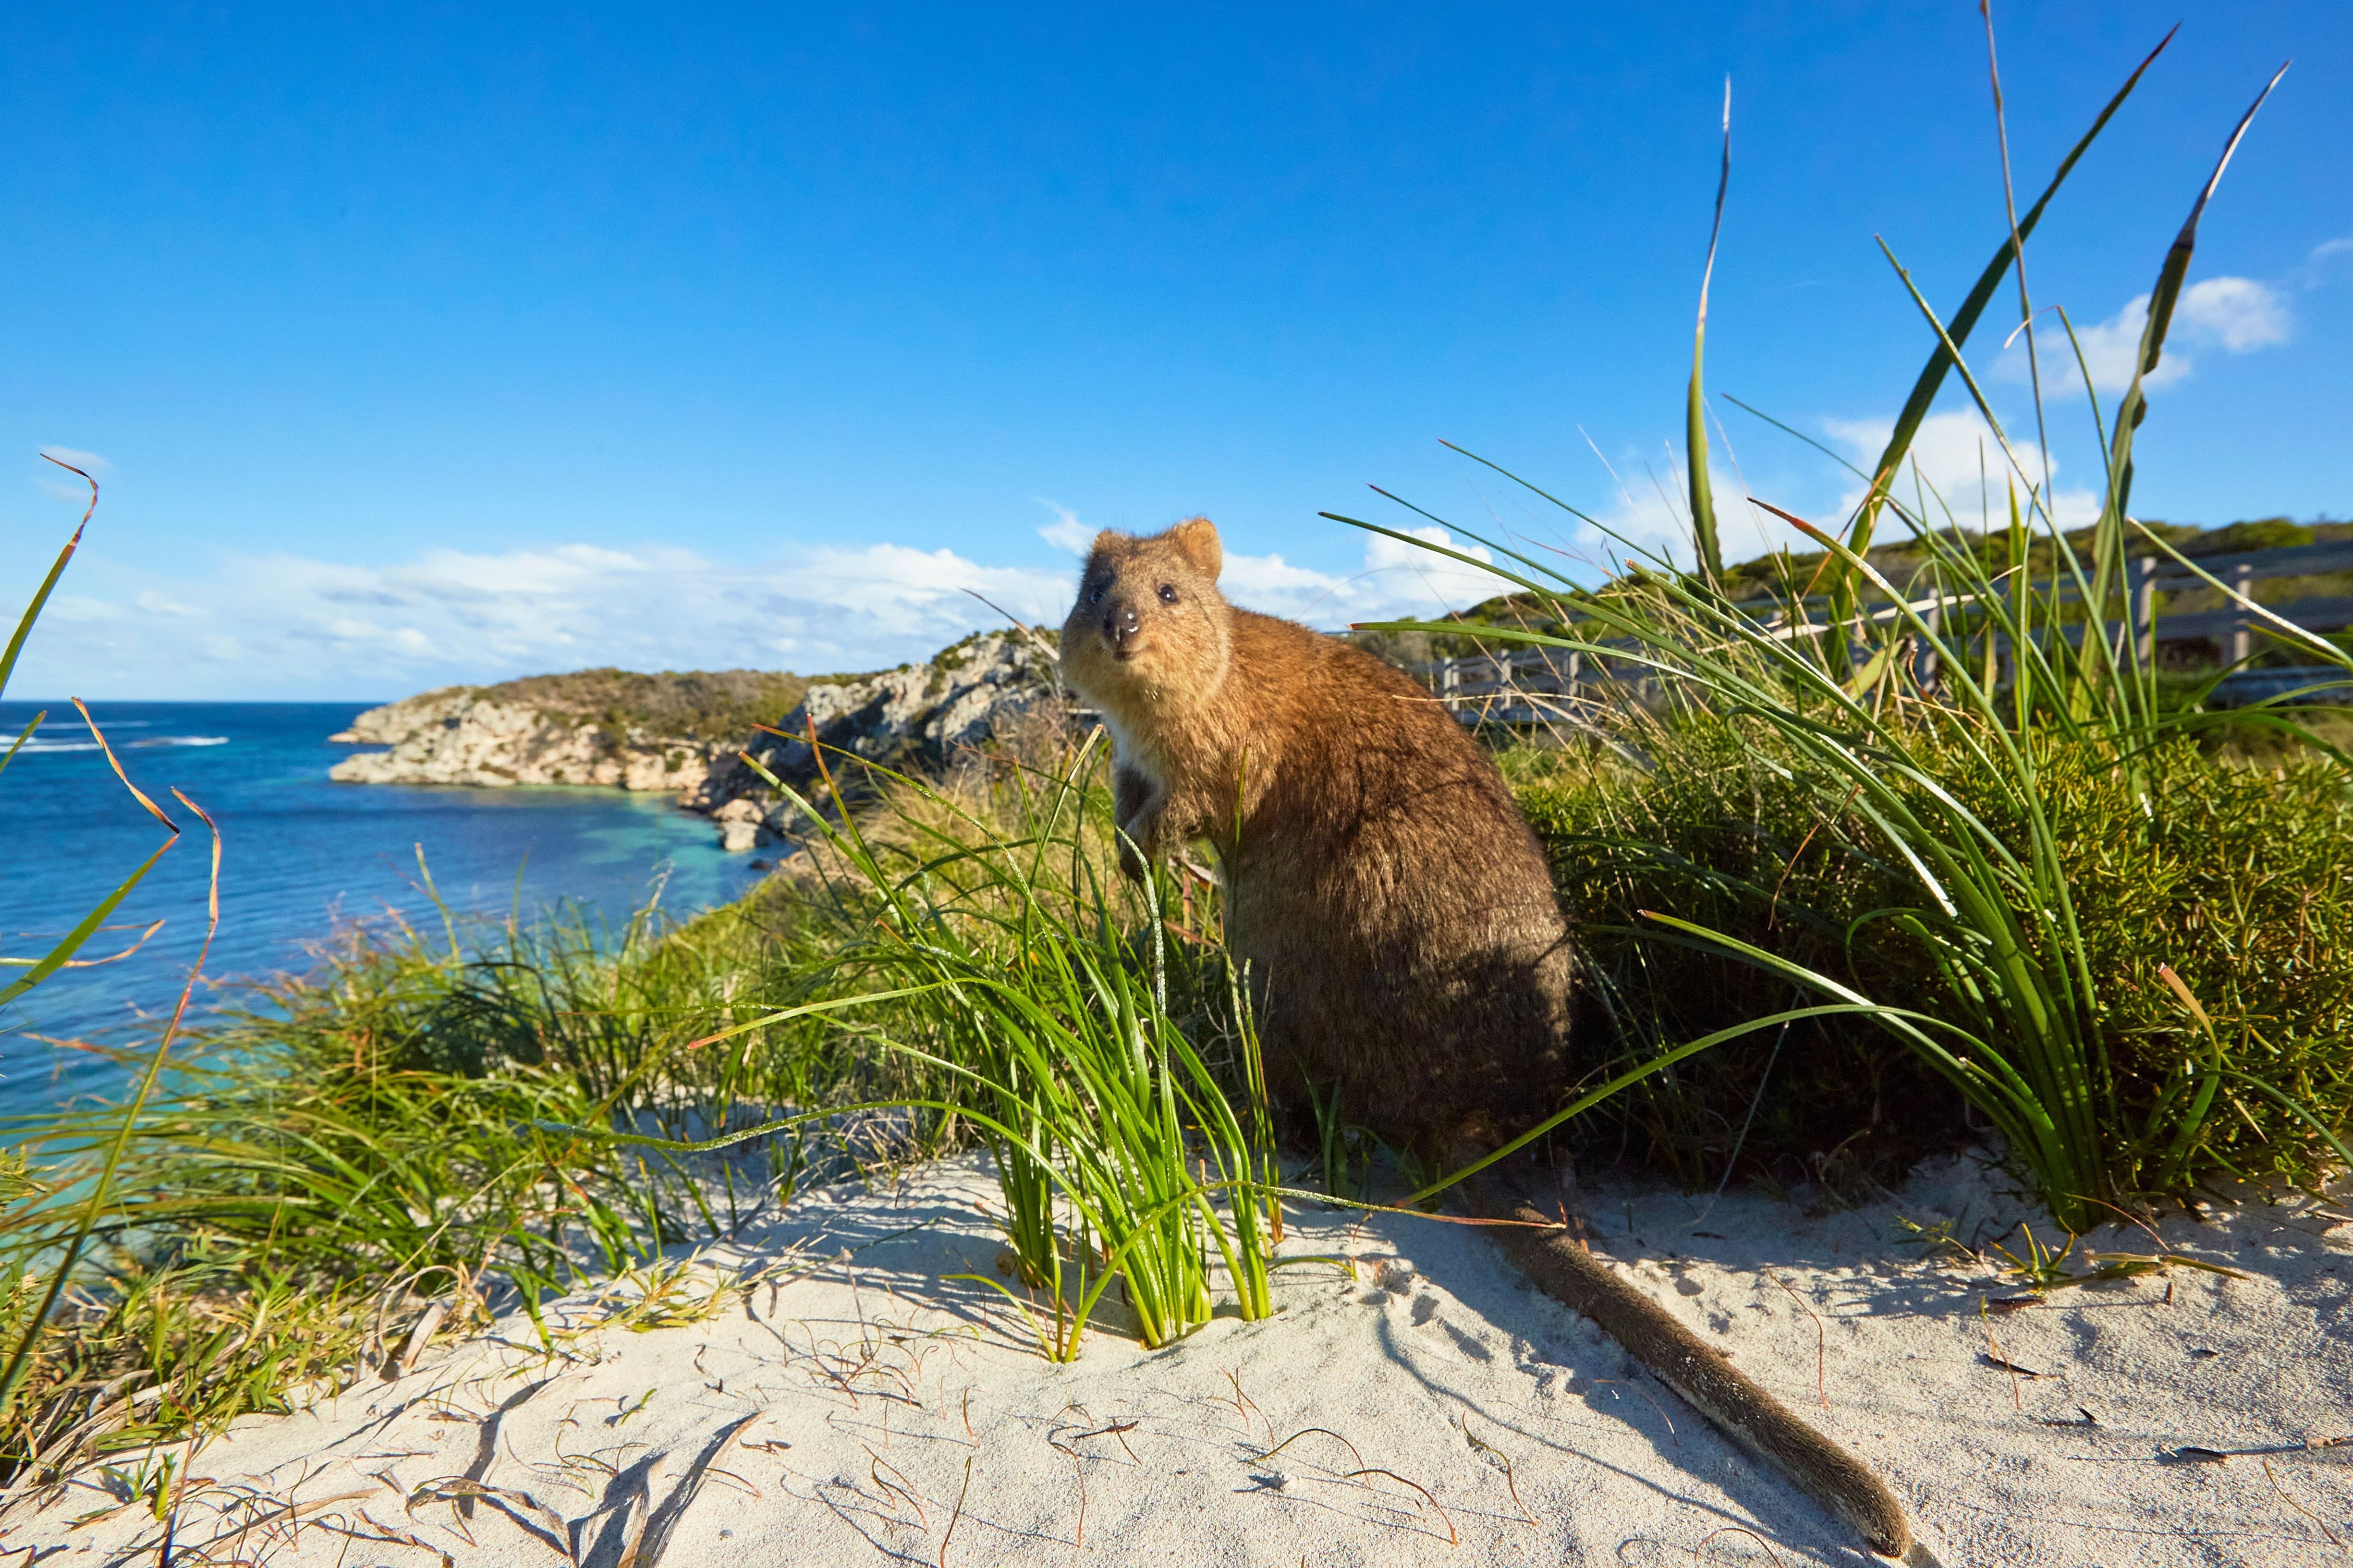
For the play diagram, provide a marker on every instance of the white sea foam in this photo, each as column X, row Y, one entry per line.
column 37, row 746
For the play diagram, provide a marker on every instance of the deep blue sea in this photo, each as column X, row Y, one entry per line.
column 298, row 853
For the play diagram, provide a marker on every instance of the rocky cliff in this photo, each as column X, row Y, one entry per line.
column 611, row 727
column 919, row 718
column 684, row 732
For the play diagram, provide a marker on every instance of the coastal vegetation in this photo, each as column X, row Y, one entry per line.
column 1886, row 849
column 713, row 705
column 1984, row 748
column 1765, row 580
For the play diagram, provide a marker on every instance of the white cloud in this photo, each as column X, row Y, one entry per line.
column 90, row 463
column 1066, row 531
column 284, row 624
column 1397, row 582
column 2325, row 260
column 80, row 608
column 894, row 584
column 1652, row 515
column 2110, row 349
column 1958, row 460
column 2236, row 315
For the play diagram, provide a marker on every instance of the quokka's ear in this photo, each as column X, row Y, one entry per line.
column 1196, row 539
column 1108, row 536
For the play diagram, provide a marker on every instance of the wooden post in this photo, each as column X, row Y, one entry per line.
column 2243, row 582
column 1449, row 684
column 2145, row 608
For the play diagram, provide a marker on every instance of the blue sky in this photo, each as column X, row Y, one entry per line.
column 422, row 346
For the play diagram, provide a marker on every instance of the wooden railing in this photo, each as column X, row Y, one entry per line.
column 2234, row 626
column 1535, row 685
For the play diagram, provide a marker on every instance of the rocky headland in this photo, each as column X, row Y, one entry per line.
column 688, row 733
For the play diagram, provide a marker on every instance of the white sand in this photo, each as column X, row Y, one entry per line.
column 859, row 1408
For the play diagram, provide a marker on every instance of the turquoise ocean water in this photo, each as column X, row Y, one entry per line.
column 298, row 853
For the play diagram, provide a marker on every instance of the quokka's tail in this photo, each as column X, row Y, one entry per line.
column 1555, row 1264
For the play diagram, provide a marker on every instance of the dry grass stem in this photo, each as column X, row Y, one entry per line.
column 2299, row 1507
column 1419, row 1490
column 1628, row 1382
column 1994, row 1354
column 949, row 1534
column 1822, row 1339
column 1302, row 1432
column 1734, row 1529
column 1511, row 1482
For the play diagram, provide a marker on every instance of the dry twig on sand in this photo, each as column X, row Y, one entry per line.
column 1451, row 1538
column 1822, row 1340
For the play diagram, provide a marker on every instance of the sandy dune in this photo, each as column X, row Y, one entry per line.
column 851, row 1403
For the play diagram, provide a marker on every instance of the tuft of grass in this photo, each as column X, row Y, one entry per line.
column 362, row 1148
column 1005, row 953
column 443, row 1122
column 33, row 1282
column 2009, row 832
column 2220, row 872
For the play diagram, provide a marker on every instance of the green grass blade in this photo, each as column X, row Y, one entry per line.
column 23, row 736
column 1709, row 551
column 84, row 928
column 1592, row 1098
column 2108, row 567
column 56, row 569
column 1964, row 321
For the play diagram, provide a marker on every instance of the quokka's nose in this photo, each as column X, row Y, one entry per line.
column 1121, row 623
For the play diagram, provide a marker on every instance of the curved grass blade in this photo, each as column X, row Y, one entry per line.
column 23, row 735
column 89, row 925
column 56, row 569
column 2107, row 564
column 1703, row 498
column 101, row 1190
column 1588, row 1101
column 1965, row 320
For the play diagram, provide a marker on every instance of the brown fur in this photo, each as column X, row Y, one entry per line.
column 1403, row 941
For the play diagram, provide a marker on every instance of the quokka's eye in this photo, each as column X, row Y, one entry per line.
column 1168, row 594
column 1095, row 596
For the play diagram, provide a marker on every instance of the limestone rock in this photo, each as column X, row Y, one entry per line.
column 460, row 736
column 920, row 717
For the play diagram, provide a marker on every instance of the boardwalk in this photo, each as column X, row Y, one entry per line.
column 1541, row 684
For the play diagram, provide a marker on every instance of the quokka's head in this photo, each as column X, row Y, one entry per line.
column 1149, row 620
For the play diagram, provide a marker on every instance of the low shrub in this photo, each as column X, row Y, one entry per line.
column 2232, row 875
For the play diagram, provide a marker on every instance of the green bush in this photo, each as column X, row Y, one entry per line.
column 2019, row 832
column 2226, row 872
